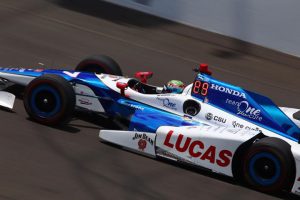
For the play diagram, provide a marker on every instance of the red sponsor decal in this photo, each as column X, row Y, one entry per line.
column 142, row 144
column 197, row 149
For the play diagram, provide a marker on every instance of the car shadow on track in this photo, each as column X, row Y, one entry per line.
column 95, row 121
column 205, row 172
column 112, row 12
column 6, row 110
column 65, row 128
column 122, row 15
column 224, row 178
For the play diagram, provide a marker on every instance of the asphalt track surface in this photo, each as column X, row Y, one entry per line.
column 39, row 162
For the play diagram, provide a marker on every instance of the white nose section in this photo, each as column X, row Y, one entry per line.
column 7, row 99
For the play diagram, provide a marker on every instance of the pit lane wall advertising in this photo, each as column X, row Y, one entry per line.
column 272, row 24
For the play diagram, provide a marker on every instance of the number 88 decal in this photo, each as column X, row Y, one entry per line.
column 200, row 88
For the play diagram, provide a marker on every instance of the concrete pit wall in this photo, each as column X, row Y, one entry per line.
column 273, row 24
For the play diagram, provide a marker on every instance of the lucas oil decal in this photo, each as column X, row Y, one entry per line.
column 198, row 149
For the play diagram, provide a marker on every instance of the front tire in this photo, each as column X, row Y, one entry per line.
column 50, row 100
column 269, row 166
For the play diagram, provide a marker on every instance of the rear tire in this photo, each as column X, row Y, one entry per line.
column 99, row 64
column 50, row 100
column 268, row 165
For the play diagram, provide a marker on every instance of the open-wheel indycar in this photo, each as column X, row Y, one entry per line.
column 210, row 124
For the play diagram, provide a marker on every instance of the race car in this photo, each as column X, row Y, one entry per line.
column 209, row 123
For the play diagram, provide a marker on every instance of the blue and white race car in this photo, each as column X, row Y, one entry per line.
column 210, row 124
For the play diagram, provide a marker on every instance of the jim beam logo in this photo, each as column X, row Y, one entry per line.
column 143, row 139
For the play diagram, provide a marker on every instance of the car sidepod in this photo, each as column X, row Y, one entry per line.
column 211, row 147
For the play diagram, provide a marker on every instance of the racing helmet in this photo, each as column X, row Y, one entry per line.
column 174, row 86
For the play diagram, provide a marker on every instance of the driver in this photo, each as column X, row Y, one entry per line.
column 174, row 86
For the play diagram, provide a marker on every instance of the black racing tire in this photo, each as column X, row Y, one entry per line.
column 50, row 100
column 99, row 64
column 268, row 165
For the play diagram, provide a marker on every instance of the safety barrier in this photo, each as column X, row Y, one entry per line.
column 272, row 24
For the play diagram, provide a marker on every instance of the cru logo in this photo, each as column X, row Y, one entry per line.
column 198, row 149
column 228, row 90
column 210, row 116
column 244, row 109
column 167, row 103
column 143, row 139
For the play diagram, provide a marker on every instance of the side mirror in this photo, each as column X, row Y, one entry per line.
column 122, row 87
column 143, row 76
